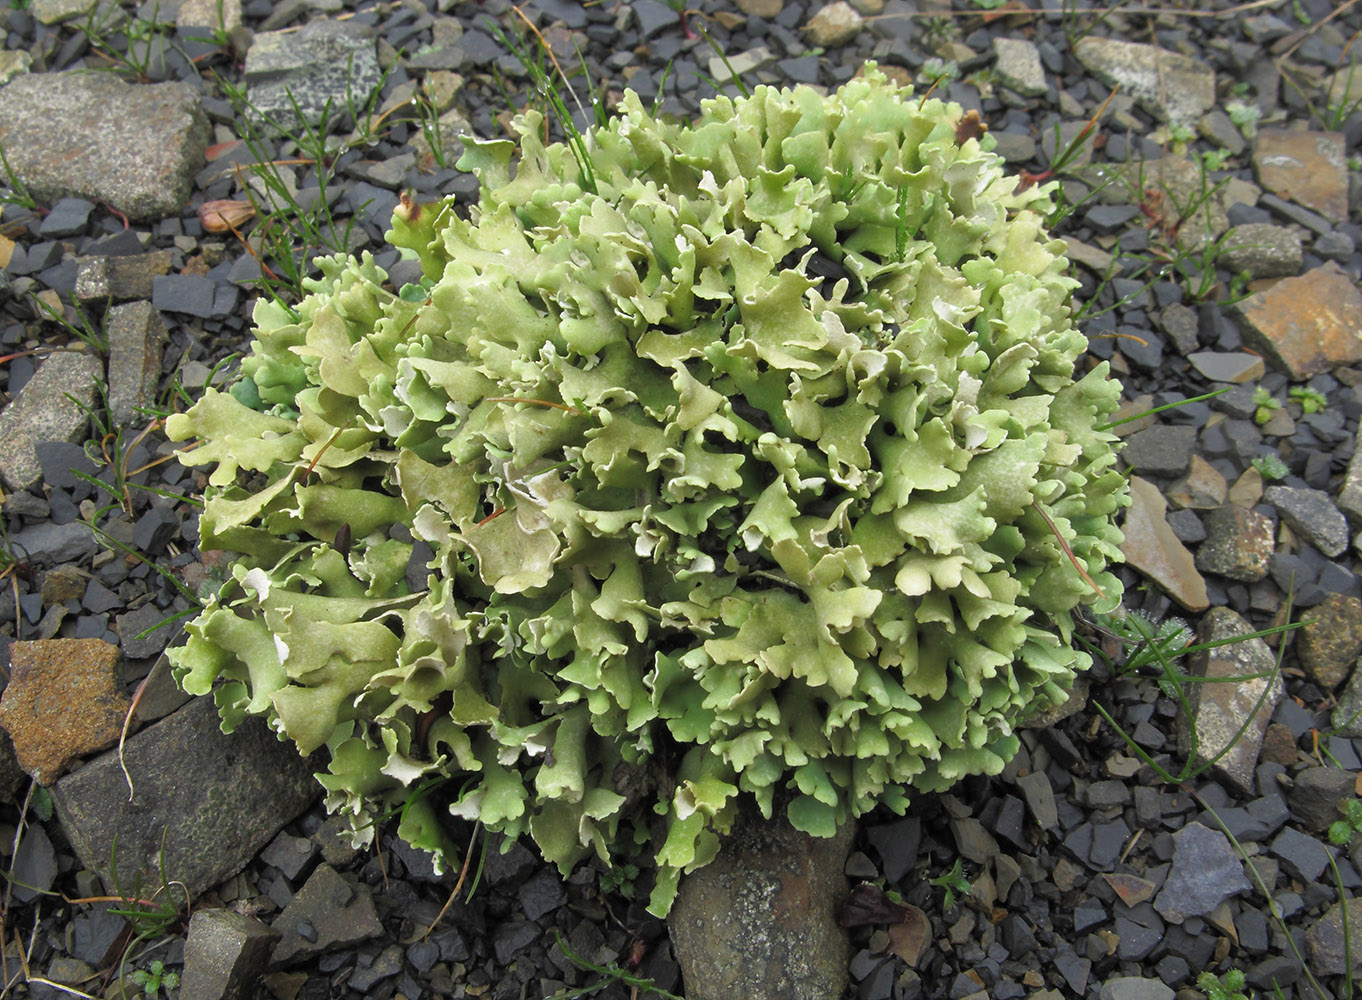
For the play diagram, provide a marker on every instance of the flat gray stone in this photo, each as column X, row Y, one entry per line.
column 1237, row 367
column 1206, row 871
column 215, row 798
column 1263, row 250
column 1134, row 988
column 316, row 66
column 760, row 921
column 60, row 11
column 1169, row 86
column 225, row 955
column 330, row 911
column 1239, row 544
column 1311, row 515
column 1347, row 717
column 1325, row 943
column 90, row 135
column 13, row 64
column 46, row 410
column 136, row 338
column 1161, row 450
column 1220, row 707
column 1018, row 66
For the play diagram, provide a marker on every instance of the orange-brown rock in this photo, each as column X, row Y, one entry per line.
column 1308, row 168
column 1306, row 325
column 65, row 699
column 1152, row 548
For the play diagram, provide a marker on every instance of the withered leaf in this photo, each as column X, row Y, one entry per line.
column 225, row 214
column 970, row 126
column 868, row 904
column 908, row 938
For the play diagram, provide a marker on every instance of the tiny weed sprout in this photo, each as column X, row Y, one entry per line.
column 1245, row 116
column 1270, row 467
column 953, row 882
column 1311, row 400
column 737, row 460
column 154, row 978
column 1227, row 987
column 1342, row 831
column 1266, row 403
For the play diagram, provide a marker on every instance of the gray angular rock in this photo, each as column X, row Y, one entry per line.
column 1219, row 709
column 90, row 135
column 225, row 955
column 1331, row 642
column 34, row 865
column 59, row 11
column 1318, row 794
column 1161, row 450
column 136, row 338
column 217, row 798
column 1312, row 515
column 1018, row 66
column 123, row 278
column 1325, row 943
column 1239, row 544
column 329, row 911
column 1206, row 871
column 53, row 544
column 1169, row 86
column 1347, row 717
column 1304, row 856
column 1232, row 366
column 326, row 62
column 1134, row 988
column 1263, row 250
column 1040, row 799
column 761, row 920
column 47, row 408
column 834, row 24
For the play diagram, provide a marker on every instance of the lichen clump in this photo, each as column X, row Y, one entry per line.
column 742, row 458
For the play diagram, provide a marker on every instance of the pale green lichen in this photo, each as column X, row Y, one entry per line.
column 743, row 475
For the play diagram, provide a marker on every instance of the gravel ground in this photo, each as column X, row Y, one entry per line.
column 1086, row 875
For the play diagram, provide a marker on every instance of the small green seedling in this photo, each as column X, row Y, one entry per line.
column 953, row 882
column 154, row 978
column 1341, row 833
column 934, row 70
column 1214, row 159
column 1245, row 116
column 1270, row 467
column 620, row 878
column 1230, row 986
column 1311, row 400
column 1180, row 133
column 1266, row 403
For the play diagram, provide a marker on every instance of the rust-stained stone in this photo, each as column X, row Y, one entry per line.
column 1238, row 544
column 1151, row 547
column 1308, row 168
column 65, row 699
column 1203, row 488
column 1220, row 709
column 1306, row 325
column 1331, row 643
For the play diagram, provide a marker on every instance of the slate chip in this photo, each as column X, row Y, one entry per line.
column 897, row 843
column 1108, row 840
column 1205, row 871
column 191, row 294
column 1304, row 856
column 67, row 217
